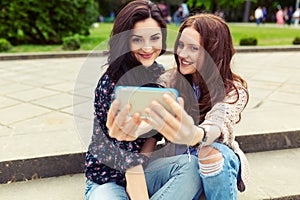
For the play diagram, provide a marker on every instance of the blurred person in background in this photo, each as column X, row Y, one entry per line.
column 258, row 14
column 296, row 17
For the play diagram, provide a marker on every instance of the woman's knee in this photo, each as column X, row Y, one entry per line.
column 189, row 161
column 211, row 161
column 106, row 191
column 188, row 165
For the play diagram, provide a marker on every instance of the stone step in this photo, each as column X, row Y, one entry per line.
column 73, row 163
column 274, row 175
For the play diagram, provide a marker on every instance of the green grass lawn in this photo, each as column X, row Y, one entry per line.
column 267, row 35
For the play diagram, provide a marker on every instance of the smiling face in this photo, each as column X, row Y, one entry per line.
column 189, row 51
column 146, row 41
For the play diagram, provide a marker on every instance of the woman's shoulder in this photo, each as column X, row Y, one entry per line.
column 105, row 81
column 165, row 78
column 241, row 85
column 238, row 93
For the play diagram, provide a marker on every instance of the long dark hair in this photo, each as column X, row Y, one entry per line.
column 215, row 79
column 120, row 58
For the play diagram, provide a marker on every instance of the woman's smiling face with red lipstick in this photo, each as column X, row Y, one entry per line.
column 146, row 41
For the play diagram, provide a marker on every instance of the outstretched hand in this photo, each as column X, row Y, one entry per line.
column 122, row 127
column 178, row 129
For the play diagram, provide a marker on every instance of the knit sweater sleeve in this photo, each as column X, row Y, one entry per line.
column 226, row 114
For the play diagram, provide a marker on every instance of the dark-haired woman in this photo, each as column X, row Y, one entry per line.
column 205, row 117
column 116, row 156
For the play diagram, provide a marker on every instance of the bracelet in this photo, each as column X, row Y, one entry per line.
column 204, row 139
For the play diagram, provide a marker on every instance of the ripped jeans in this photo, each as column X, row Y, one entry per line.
column 167, row 178
column 219, row 178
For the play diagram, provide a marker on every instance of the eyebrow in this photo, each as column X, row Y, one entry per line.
column 196, row 44
column 142, row 36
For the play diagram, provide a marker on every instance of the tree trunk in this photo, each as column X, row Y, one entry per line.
column 247, row 11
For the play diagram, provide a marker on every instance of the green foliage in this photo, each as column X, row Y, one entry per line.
column 250, row 41
column 4, row 45
column 212, row 6
column 71, row 43
column 45, row 22
column 107, row 6
column 296, row 40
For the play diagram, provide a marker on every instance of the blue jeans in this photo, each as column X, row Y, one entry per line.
column 167, row 178
column 173, row 178
column 222, row 185
column 107, row 191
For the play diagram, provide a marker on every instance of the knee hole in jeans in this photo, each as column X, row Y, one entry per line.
column 211, row 163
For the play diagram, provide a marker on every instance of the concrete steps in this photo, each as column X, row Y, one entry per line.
column 274, row 175
column 73, row 163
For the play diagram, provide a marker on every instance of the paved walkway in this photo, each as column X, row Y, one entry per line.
column 46, row 109
column 38, row 99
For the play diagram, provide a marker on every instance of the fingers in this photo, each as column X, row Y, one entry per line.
column 178, row 108
column 112, row 112
column 120, row 125
column 174, row 128
column 122, row 134
column 163, row 121
column 180, row 101
column 157, row 122
column 162, row 113
column 115, row 120
column 175, row 106
column 121, row 118
column 128, row 138
column 131, row 125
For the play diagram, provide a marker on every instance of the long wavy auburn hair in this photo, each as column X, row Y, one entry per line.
column 215, row 78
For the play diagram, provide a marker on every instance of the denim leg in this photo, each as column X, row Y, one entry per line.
column 200, row 191
column 107, row 191
column 223, row 183
column 173, row 178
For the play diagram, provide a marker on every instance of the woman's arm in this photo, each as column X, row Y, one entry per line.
column 180, row 129
column 149, row 146
column 104, row 148
column 136, row 183
column 135, row 177
column 223, row 116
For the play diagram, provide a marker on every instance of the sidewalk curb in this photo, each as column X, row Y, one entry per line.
column 58, row 165
column 74, row 54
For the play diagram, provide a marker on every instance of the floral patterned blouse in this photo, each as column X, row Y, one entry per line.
column 107, row 159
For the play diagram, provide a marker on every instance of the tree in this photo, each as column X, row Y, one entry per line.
column 107, row 6
column 231, row 8
column 214, row 5
column 239, row 10
column 247, row 11
column 45, row 22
